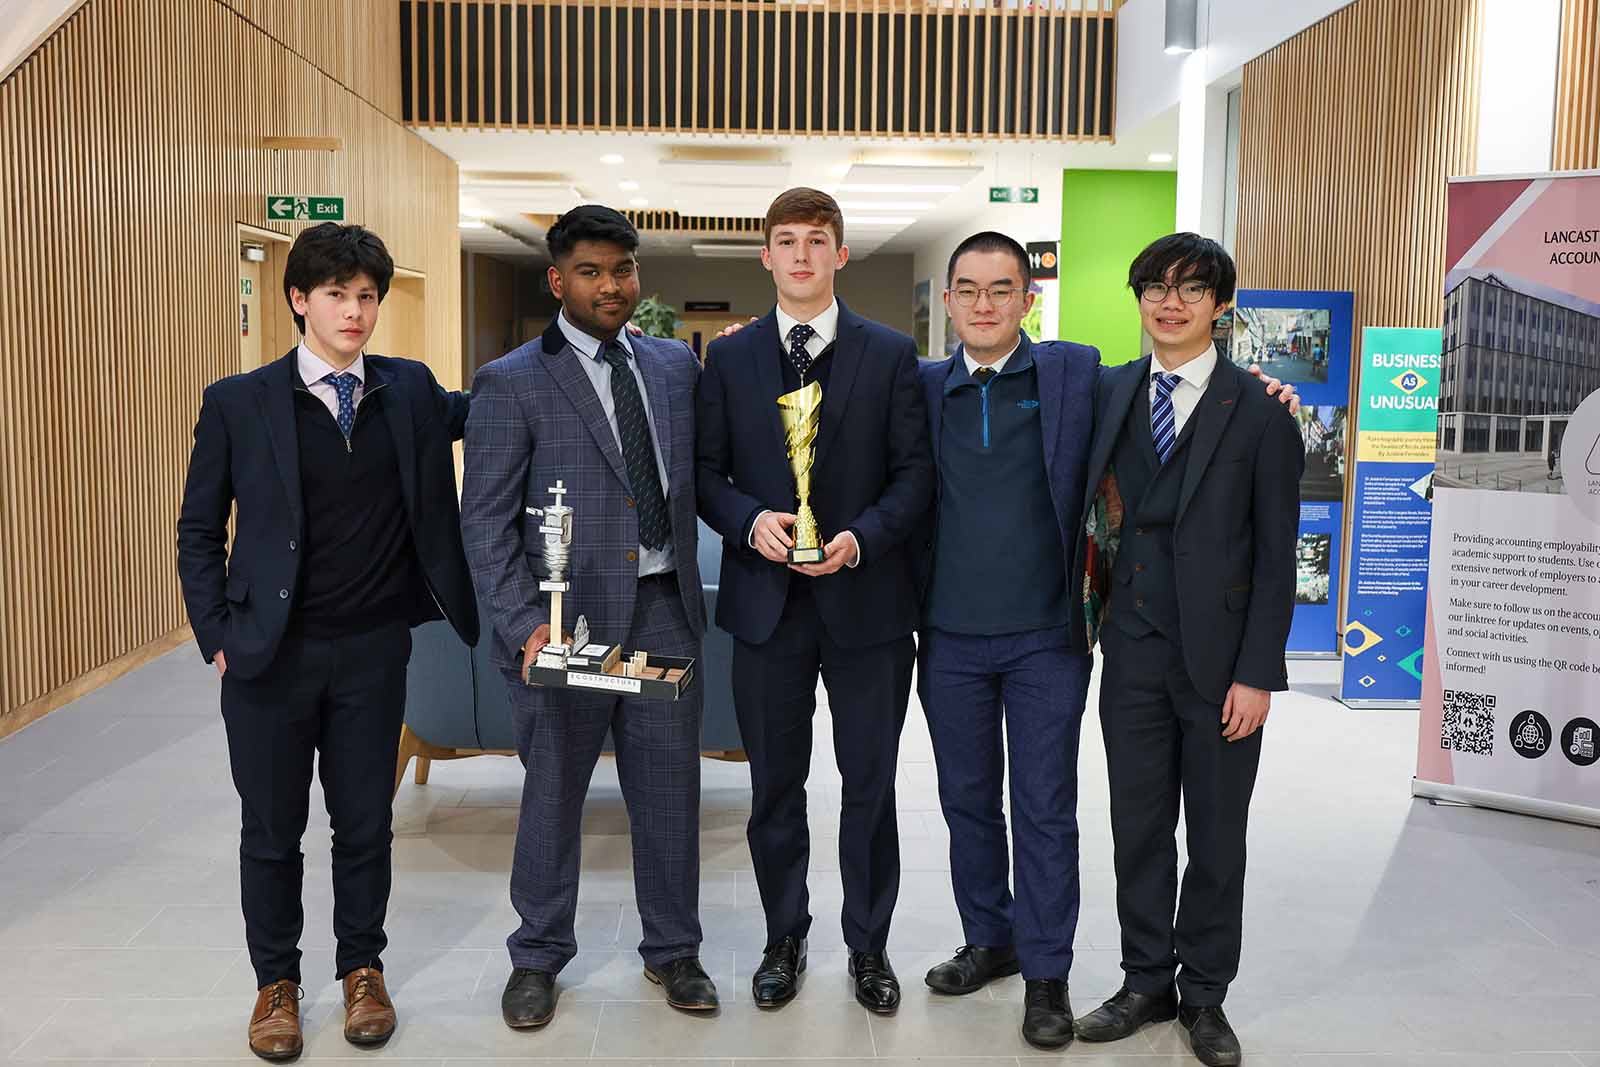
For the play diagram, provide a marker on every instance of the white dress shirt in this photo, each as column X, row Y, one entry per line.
column 651, row 560
column 997, row 366
column 1194, row 375
column 313, row 368
column 825, row 327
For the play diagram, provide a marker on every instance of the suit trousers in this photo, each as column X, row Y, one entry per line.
column 774, row 694
column 338, row 702
column 560, row 733
column 991, row 701
column 1164, row 742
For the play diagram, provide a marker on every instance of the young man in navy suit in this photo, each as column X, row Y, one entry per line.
column 849, row 617
column 338, row 468
column 1193, row 512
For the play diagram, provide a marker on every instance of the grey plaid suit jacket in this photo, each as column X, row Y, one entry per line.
column 535, row 418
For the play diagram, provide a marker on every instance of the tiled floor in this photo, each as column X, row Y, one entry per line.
column 1379, row 930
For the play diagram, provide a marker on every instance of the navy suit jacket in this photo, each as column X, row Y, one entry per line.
column 1237, row 527
column 1067, row 373
column 873, row 475
column 247, row 456
column 535, row 419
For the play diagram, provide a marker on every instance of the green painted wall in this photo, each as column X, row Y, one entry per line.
column 1107, row 218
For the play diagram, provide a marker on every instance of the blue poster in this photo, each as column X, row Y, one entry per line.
column 1304, row 338
column 1386, row 596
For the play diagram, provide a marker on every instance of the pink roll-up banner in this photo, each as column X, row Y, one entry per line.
column 1511, row 670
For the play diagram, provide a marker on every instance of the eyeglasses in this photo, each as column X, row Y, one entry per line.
column 1188, row 292
column 999, row 295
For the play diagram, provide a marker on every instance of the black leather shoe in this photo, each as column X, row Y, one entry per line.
column 1124, row 1013
column 972, row 968
column 1214, row 1042
column 777, row 980
column 877, row 988
column 529, row 1000
column 1046, row 1014
column 686, row 983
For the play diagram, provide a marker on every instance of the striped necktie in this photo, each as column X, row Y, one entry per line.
column 1163, row 424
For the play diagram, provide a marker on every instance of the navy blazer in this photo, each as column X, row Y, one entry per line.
column 535, row 419
column 873, row 474
column 1237, row 527
column 1067, row 373
column 247, row 456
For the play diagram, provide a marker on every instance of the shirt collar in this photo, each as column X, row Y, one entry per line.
column 1015, row 361
column 313, row 368
column 1197, row 372
column 998, row 366
column 826, row 324
column 587, row 345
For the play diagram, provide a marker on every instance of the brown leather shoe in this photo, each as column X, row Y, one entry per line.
column 368, row 1011
column 275, row 1023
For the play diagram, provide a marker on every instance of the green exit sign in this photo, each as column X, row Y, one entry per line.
column 1013, row 194
column 318, row 208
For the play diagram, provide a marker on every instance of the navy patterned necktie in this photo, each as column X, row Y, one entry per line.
column 799, row 355
column 345, row 386
column 1163, row 423
column 638, row 454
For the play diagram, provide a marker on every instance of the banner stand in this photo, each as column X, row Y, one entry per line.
column 1508, row 802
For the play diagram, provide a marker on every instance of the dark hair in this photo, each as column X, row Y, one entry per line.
column 804, row 205
column 1188, row 257
column 590, row 222
column 333, row 254
column 990, row 241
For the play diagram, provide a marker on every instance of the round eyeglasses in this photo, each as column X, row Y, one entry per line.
column 1188, row 292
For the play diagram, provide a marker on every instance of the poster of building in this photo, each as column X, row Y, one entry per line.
column 1513, row 606
column 1304, row 338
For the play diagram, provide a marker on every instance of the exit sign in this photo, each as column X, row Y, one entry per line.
column 1013, row 194
column 319, row 208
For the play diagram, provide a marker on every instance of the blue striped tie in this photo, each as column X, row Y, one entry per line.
column 1163, row 426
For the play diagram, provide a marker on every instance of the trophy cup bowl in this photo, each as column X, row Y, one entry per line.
column 801, row 411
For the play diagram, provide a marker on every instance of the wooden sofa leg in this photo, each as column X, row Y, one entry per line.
column 424, row 765
column 410, row 745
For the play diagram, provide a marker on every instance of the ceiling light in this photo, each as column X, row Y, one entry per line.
column 1161, row 157
column 472, row 224
column 878, row 187
column 611, row 159
column 881, row 220
column 896, row 205
column 627, row 187
column 725, row 250
column 1182, row 26
column 639, row 201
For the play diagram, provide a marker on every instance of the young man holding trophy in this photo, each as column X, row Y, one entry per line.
column 814, row 465
column 580, row 456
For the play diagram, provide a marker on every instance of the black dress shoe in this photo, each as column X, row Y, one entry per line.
column 686, row 983
column 1124, row 1013
column 972, row 969
column 877, row 988
column 529, row 1000
column 1046, row 1014
column 777, row 980
column 1214, row 1042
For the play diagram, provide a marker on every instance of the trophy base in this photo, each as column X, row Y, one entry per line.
column 603, row 669
column 807, row 555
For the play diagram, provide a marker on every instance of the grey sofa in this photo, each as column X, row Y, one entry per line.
column 457, row 706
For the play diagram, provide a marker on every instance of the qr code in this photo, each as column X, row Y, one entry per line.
column 1468, row 722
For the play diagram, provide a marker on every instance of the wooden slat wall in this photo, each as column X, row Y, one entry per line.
column 128, row 156
column 354, row 42
column 1344, row 188
column 1577, row 131
column 831, row 68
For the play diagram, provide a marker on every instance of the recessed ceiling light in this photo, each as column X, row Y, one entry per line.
column 877, row 187
column 627, row 187
column 639, row 201
column 881, row 220
column 1161, row 157
column 611, row 159
column 894, row 205
column 472, row 224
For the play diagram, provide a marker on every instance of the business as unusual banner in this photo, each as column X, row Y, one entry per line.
column 1513, row 632
column 1385, row 593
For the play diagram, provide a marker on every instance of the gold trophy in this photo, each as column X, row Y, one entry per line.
column 802, row 413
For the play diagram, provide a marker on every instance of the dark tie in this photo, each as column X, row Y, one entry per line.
column 1163, row 424
column 638, row 454
column 982, row 375
column 345, row 386
column 798, row 355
